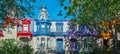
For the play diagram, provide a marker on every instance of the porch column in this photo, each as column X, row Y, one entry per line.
column 46, row 50
column 55, row 46
column 63, row 43
column 45, row 42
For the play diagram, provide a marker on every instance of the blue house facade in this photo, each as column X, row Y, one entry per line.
column 48, row 34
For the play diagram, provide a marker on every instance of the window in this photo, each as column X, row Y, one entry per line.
column 48, row 28
column 48, row 42
column 42, row 42
column 25, row 28
column 43, row 27
column 59, row 28
column 19, row 28
column 37, row 40
column 9, row 29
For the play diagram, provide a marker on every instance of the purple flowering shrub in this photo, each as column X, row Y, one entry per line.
column 74, row 33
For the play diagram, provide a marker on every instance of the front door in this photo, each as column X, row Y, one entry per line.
column 59, row 45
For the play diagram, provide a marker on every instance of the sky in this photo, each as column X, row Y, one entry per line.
column 53, row 8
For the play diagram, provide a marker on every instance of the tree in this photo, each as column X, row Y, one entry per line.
column 11, row 46
column 15, row 9
column 26, row 49
column 91, row 11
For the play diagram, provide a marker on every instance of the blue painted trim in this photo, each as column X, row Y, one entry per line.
column 59, row 43
column 47, row 30
column 35, row 33
column 37, row 27
column 45, row 23
column 58, row 33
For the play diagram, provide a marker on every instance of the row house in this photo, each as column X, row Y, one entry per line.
column 48, row 34
column 10, row 30
column 18, row 29
column 24, row 32
column 59, row 30
column 41, row 34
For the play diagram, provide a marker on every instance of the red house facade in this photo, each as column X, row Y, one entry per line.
column 10, row 26
column 23, row 30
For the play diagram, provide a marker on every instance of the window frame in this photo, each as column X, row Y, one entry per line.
column 9, row 29
column 43, row 28
column 43, row 42
column 59, row 27
column 25, row 29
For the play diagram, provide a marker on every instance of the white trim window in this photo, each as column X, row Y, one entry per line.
column 25, row 28
column 59, row 28
column 48, row 42
column 19, row 28
column 9, row 29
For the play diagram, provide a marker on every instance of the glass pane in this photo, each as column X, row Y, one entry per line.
column 59, row 28
column 43, row 27
column 9, row 30
column 19, row 28
column 26, row 28
column 42, row 42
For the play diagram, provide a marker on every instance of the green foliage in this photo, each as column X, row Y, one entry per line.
column 26, row 49
column 92, row 11
column 11, row 46
column 16, row 8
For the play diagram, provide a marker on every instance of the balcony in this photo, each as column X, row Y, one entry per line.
column 24, row 34
column 35, row 33
column 59, row 33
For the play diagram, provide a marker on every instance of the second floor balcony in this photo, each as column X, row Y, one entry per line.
column 24, row 34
